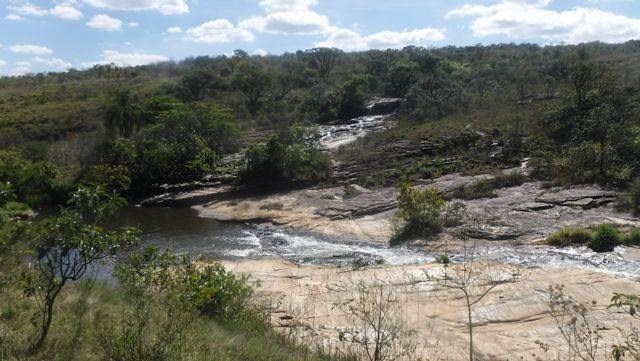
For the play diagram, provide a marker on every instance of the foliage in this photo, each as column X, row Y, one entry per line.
column 287, row 157
column 124, row 114
column 628, row 303
column 138, row 336
column 419, row 213
column 485, row 188
column 352, row 97
column 630, row 200
column 632, row 237
column 605, row 238
column 253, row 82
column 65, row 246
column 568, row 237
column 201, row 286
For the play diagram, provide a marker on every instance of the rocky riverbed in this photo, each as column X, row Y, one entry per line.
column 308, row 302
column 521, row 214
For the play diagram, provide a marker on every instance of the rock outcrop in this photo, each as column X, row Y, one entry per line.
column 383, row 106
column 306, row 299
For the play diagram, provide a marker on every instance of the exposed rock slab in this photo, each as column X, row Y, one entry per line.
column 508, row 321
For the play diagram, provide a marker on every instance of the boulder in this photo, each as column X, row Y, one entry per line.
column 383, row 106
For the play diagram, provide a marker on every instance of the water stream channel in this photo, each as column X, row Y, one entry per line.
column 186, row 232
column 183, row 230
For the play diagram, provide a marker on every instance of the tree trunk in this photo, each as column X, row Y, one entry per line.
column 47, row 317
column 470, row 324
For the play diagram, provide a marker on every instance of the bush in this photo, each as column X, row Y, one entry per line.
column 207, row 288
column 286, row 158
column 420, row 213
column 569, row 236
column 485, row 188
column 605, row 238
column 630, row 200
column 632, row 237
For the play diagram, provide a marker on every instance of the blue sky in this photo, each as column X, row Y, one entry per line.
column 54, row 35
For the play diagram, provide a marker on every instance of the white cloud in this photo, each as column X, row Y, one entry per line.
column 289, row 17
column 105, row 23
column 66, row 12
column 134, row 24
column 127, row 59
column 14, row 17
column 2, row 63
column 260, row 52
column 530, row 19
column 174, row 29
column 28, row 9
column 21, row 68
column 219, row 31
column 31, row 49
column 53, row 62
column 351, row 41
column 165, row 7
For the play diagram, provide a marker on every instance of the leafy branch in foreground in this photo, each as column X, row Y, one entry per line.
column 66, row 245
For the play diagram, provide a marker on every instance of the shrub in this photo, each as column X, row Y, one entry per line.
column 569, row 236
column 485, row 188
column 420, row 213
column 286, row 158
column 605, row 238
column 207, row 288
column 632, row 237
column 350, row 191
column 359, row 263
column 630, row 200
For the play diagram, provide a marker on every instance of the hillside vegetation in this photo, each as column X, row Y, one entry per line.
column 86, row 142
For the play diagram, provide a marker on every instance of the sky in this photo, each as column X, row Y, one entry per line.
column 55, row 35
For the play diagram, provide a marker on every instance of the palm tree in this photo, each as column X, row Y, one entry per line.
column 124, row 113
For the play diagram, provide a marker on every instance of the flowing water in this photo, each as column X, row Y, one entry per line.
column 185, row 232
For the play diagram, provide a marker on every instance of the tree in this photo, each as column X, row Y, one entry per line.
column 323, row 60
column 436, row 91
column 66, row 245
column 375, row 326
column 124, row 112
column 197, row 83
column 252, row 81
column 475, row 280
column 352, row 97
column 287, row 157
column 419, row 213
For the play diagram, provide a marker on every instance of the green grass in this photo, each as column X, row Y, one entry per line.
column 486, row 188
column 81, row 316
column 603, row 239
column 569, row 237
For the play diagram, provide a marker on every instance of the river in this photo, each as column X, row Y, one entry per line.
column 182, row 230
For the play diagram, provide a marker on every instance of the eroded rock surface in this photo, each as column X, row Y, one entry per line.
column 523, row 213
column 305, row 301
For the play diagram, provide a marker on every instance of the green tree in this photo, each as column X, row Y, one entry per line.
column 352, row 97
column 66, row 245
column 323, row 60
column 253, row 82
column 287, row 157
column 419, row 213
column 124, row 112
